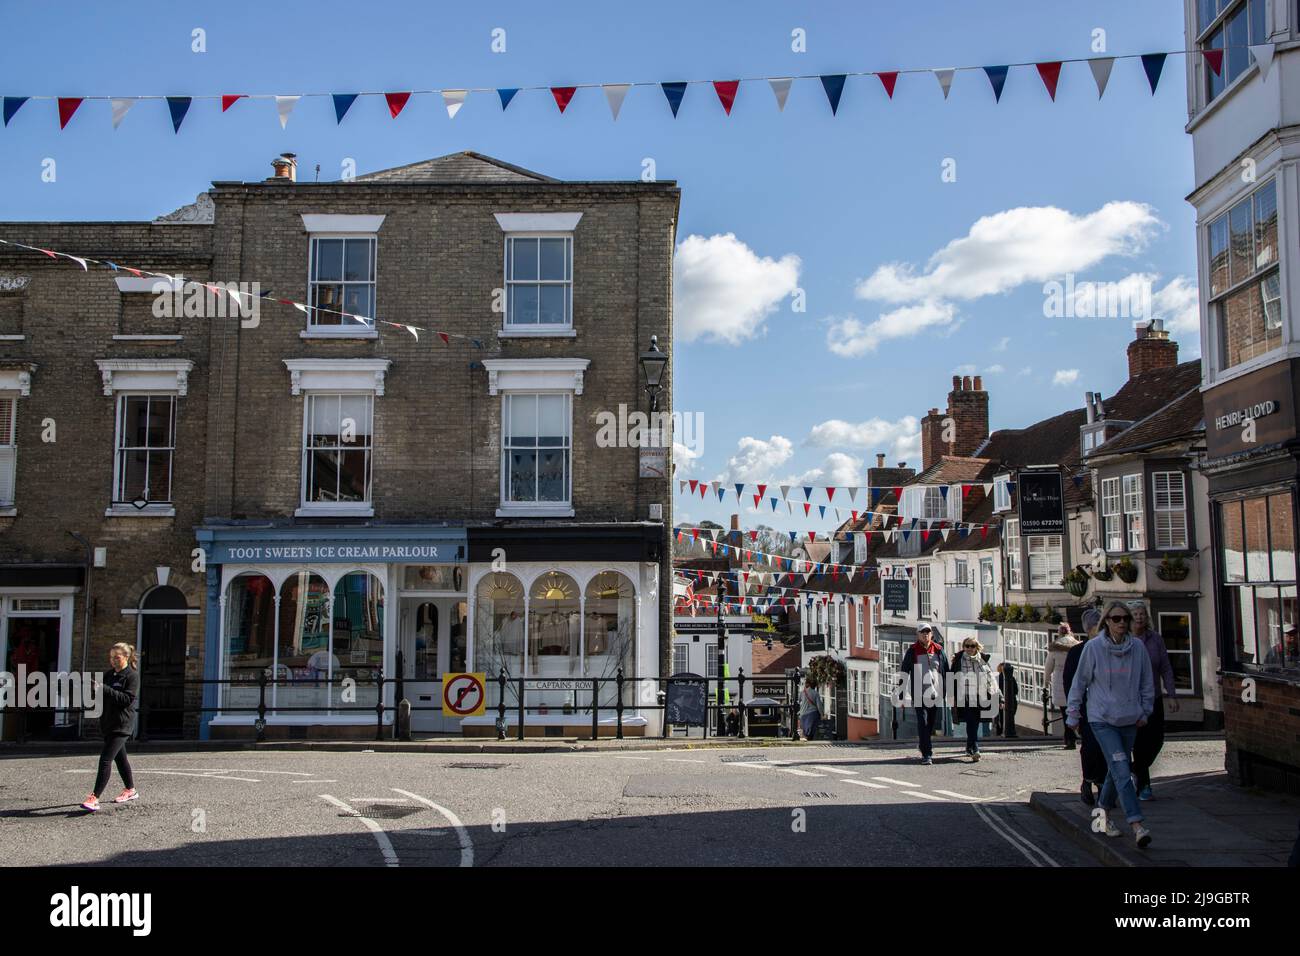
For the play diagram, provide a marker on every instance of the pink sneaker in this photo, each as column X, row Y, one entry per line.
column 126, row 795
column 91, row 803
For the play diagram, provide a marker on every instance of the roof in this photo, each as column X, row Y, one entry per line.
column 1182, row 418
column 463, row 167
column 774, row 661
column 954, row 470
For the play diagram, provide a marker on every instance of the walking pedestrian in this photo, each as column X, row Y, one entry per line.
column 1054, row 674
column 1092, row 763
column 1009, row 688
column 1152, row 737
column 120, row 688
column 925, row 669
column 973, row 691
column 1115, row 675
column 810, row 709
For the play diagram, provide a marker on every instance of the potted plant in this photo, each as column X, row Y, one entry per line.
column 1052, row 615
column 986, row 612
column 1126, row 570
column 1013, row 613
column 1173, row 568
column 1029, row 613
column 1076, row 582
column 998, row 614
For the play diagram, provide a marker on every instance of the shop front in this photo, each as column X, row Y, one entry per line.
column 36, row 636
column 1252, row 466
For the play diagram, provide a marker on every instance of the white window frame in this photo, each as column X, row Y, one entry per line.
column 1169, row 516
column 1011, row 538
column 9, row 454
column 116, row 502
column 535, row 508
column 549, row 225
column 1259, row 275
column 685, row 651
column 347, row 328
column 861, row 637
column 934, row 505
column 1002, row 493
column 153, row 377
column 924, row 605
column 844, row 625
column 1112, row 515
column 363, row 508
column 711, row 660
column 1133, row 512
column 1027, row 650
column 1189, row 653
column 1046, row 557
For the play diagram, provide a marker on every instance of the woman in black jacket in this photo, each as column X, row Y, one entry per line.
column 120, row 689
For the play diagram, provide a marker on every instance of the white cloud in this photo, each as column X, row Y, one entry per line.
column 838, row 470
column 899, row 440
column 967, row 369
column 684, row 458
column 999, row 253
column 852, row 338
column 1065, row 376
column 994, row 370
column 1027, row 370
column 1002, row 344
column 756, row 459
column 1179, row 305
column 724, row 292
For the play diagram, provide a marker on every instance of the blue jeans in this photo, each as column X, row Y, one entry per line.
column 1116, row 745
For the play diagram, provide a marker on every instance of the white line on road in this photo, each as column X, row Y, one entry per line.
column 313, row 781
column 375, row 800
column 466, row 844
column 681, row 760
column 798, row 773
column 864, row 783
column 628, row 757
column 924, row 796
column 833, row 769
column 1005, row 831
column 182, row 773
column 385, row 844
column 959, row 796
column 897, row 783
column 743, row 763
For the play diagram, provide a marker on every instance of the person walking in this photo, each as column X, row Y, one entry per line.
column 925, row 669
column 1151, row 737
column 1009, row 687
column 1092, row 763
column 1054, row 674
column 120, row 688
column 974, row 685
column 810, row 709
column 1115, row 676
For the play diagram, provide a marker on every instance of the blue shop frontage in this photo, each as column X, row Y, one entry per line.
column 323, row 615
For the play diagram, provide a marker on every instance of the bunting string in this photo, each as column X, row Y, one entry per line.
column 726, row 90
column 245, row 298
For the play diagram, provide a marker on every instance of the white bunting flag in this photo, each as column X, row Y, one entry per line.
column 120, row 107
column 453, row 100
column 614, row 96
column 1263, row 53
column 945, row 532
column 988, row 487
column 681, row 486
column 853, row 493
column 412, row 330
column 785, row 492
column 781, row 89
column 944, row 77
column 284, row 106
column 1101, row 66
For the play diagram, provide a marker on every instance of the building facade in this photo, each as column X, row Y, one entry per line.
column 436, row 491
column 1244, row 120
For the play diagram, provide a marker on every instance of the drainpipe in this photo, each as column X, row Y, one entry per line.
column 85, row 635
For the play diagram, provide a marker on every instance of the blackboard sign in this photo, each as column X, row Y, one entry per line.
column 1042, row 503
column 896, row 595
column 687, row 700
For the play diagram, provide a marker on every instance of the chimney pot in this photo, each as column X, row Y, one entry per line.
column 880, row 460
column 735, row 522
column 902, row 464
column 979, row 383
column 965, row 383
column 956, row 383
column 286, row 167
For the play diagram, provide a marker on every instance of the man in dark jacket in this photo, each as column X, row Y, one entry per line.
column 925, row 669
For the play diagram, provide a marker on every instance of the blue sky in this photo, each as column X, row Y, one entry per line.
column 849, row 209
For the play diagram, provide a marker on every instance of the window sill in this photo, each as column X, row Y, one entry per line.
column 148, row 511
column 557, row 511
column 326, row 511
column 541, row 332
column 147, row 338
column 8, row 512
column 345, row 334
column 12, row 338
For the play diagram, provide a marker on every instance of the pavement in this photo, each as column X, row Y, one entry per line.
column 746, row 804
column 1196, row 819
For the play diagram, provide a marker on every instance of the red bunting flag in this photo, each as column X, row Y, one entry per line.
column 806, row 507
column 888, row 80
column 1215, row 59
column 898, row 494
column 67, row 106
column 1051, row 73
column 445, row 339
column 726, row 90
column 694, row 483
column 562, row 95
column 762, row 490
column 229, row 99
column 753, row 536
column 984, row 531
column 396, row 101
column 704, row 488
column 757, row 499
column 830, row 492
column 965, row 490
column 855, row 517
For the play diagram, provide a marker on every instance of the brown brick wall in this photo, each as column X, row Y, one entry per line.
column 1269, row 728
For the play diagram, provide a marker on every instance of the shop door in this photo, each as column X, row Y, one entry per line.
column 433, row 643
column 162, row 668
column 32, row 643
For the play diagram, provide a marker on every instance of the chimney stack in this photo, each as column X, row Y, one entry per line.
column 735, row 522
column 286, row 168
column 880, row 460
column 1151, row 350
column 966, row 422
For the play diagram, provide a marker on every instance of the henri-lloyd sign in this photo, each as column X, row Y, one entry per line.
column 1251, row 412
column 1042, row 503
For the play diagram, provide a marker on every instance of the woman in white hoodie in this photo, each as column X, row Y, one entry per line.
column 1054, row 673
column 1115, row 675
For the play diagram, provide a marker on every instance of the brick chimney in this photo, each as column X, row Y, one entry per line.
column 932, row 437
column 1152, row 349
column 968, row 407
column 880, row 459
column 286, row 168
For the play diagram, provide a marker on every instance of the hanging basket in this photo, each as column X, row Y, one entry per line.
column 1077, row 588
column 1166, row 573
column 1128, row 573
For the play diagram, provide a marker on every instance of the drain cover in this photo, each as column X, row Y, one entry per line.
column 731, row 758
column 822, row 794
column 389, row 811
column 476, row 766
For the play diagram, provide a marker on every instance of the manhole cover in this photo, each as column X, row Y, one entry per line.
column 731, row 758
column 389, row 811
column 476, row 766
column 818, row 794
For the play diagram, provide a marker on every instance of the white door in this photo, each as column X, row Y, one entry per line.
column 434, row 639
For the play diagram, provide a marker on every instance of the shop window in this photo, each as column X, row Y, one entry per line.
column 609, row 633
column 434, row 577
column 337, row 450
column 1245, row 284
column 357, row 638
column 342, row 281
column 303, row 662
column 1259, row 592
column 1176, row 629
column 249, row 639
column 499, row 631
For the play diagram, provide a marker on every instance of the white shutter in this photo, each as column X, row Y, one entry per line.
column 8, row 450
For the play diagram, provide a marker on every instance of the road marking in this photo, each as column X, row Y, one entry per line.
column 959, row 796
column 183, row 773
column 466, row 844
column 385, row 844
column 733, row 763
column 833, row 769
column 313, row 781
column 376, row 800
column 924, row 796
column 1021, row 843
column 628, row 757
column 897, row 783
column 798, row 773
column 681, row 760
column 863, row 783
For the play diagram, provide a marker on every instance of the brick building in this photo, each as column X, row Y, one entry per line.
column 367, row 499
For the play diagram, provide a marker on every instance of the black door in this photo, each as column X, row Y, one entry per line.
column 162, row 668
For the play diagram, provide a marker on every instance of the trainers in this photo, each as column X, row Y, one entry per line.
column 927, row 761
column 1143, row 837
column 1111, row 829
column 975, row 756
column 126, row 795
column 1146, row 794
column 91, row 803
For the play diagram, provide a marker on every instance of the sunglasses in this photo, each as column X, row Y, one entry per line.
column 970, row 647
column 1118, row 619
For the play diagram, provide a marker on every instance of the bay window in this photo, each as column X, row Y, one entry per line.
column 1245, row 282
column 1258, row 559
column 1231, row 26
